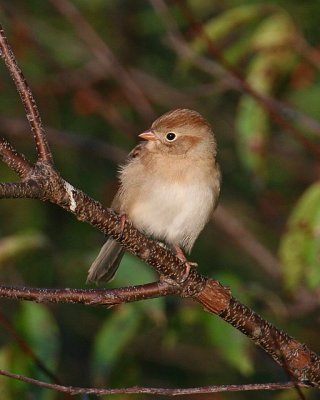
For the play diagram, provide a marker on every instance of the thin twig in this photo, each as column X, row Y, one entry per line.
column 13, row 159
column 104, row 297
column 27, row 99
column 73, row 390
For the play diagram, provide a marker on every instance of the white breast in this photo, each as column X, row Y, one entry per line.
column 173, row 212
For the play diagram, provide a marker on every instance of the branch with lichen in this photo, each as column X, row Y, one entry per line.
column 41, row 180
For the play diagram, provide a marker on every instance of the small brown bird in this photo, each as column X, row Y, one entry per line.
column 169, row 187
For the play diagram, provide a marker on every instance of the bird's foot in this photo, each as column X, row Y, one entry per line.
column 123, row 220
column 188, row 264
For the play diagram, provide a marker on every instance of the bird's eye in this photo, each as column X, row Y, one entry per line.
column 171, row 136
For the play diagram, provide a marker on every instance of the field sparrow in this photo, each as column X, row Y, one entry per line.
column 169, row 187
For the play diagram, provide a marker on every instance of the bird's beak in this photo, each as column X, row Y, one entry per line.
column 148, row 135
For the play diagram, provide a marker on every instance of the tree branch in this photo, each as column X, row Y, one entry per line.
column 20, row 190
column 27, row 99
column 13, row 159
column 104, row 297
column 72, row 390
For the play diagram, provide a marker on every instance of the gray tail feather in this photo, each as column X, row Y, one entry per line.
column 107, row 262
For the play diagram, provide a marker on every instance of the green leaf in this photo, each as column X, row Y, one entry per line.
column 6, row 383
column 35, row 324
column 112, row 339
column 306, row 99
column 13, row 246
column 226, row 23
column 276, row 30
column 253, row 128
column 299, row 249
column 133, row 271
column 230, row 343
column 274, row 58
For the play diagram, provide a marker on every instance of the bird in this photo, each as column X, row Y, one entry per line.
column 169, row 187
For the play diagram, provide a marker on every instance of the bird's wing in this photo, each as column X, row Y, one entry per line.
column 136, row 152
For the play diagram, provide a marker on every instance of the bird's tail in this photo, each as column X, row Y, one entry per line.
column 107, row 262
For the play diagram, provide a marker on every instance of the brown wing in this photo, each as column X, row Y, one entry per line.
column 217, row 185
column 136, row 152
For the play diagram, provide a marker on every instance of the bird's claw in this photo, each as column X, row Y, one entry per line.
column 123, row 220
column 188, row 264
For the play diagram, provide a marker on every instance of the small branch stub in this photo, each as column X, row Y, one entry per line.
column 214, row 297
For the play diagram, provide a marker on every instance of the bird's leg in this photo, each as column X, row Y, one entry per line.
column 188, row 264
column 123, row 220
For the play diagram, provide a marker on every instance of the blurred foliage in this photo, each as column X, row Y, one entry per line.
column 36, row 325
column 300, row 245
column 270, row 185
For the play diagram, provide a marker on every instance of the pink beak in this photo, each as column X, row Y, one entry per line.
column 148, row 135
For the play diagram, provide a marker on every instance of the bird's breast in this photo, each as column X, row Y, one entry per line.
column 171, row 210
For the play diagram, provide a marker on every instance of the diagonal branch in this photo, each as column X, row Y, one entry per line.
column 27, row 99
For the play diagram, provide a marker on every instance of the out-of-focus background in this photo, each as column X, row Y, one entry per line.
column 101, row 71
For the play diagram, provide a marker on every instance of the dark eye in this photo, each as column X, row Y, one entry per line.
column 170, row 136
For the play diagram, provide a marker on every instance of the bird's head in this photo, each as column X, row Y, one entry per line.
column 180, row 132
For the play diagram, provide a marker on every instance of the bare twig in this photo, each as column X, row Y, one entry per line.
column 105, row 297
column 27, row 100
column 155, row 391
column 13, row 159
